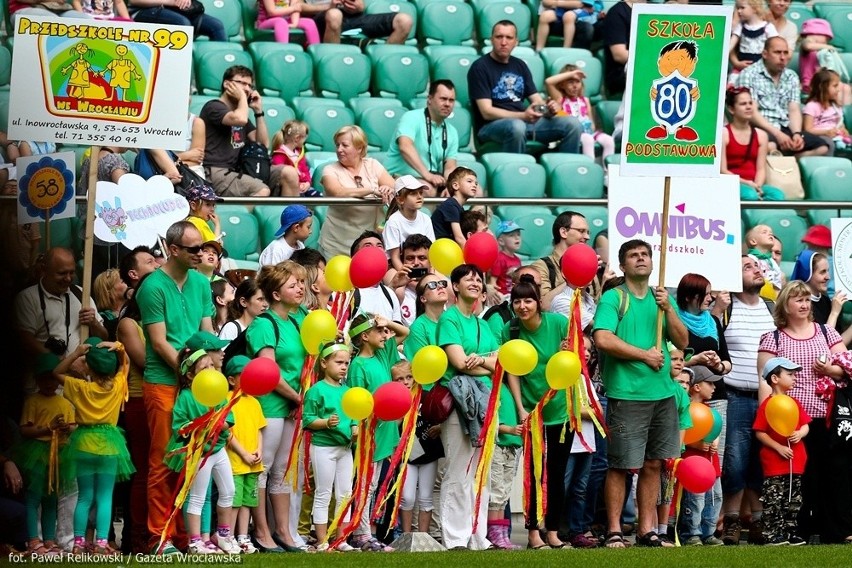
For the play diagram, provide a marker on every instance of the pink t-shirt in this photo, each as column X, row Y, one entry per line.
column 808, row 65
column 502, row 270
column 830, row 117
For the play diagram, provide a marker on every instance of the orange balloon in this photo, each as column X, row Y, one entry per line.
column 782, row 413
column 702, row 422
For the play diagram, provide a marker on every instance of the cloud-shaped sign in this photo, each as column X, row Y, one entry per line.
column 135, row 211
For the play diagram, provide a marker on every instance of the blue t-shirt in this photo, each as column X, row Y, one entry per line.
column 508, row 85
column 448, row 212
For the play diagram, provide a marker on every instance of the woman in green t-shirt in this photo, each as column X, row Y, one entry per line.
column 546, row 332
column 277, row 337
column 471, row 350
column 431, row 300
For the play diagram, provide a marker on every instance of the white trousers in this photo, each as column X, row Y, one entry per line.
column 457, row 491
column 219, row 466
column 277, row 440
column 419, row 485
column 332, row 469
column 364, row 521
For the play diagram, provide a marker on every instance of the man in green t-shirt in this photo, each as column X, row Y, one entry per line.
column 642, row 414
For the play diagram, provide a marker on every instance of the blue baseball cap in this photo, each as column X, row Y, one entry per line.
column 291, row 215
column 507, row 227
column 777, row 362
column 202, row 193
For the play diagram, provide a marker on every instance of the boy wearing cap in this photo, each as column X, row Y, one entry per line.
column 405, row 218
column 783, row 459
column 509, row 238
column 700, row 512
column 202, row 208
column 297, row 223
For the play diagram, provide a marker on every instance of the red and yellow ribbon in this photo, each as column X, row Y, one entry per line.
column 487, row 442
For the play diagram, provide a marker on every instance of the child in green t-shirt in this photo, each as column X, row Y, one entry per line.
column 504, row 465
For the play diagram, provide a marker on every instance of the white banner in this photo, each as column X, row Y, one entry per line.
column 45, row 187
column 93, row 82
column 705, row 229
column 135, row 211
column 841, row 246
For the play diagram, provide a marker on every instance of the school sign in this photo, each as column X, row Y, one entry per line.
column 673, row 106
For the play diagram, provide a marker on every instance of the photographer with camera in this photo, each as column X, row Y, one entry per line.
column 499, row 85
column 425, row 145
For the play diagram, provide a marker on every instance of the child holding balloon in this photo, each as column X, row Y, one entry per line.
column 779, row 426
column 701, row 511
column 331, row 440
column 191, row 365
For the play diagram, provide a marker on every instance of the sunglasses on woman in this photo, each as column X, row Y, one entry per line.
column 435, row 284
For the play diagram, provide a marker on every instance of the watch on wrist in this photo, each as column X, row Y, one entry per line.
column 259, row 114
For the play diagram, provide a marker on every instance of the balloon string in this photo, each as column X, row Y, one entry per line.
column 790, row 485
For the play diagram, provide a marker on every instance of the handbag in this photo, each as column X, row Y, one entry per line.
column 783, row 172
column 146, row 167
column 195, row 9
column 437, row 404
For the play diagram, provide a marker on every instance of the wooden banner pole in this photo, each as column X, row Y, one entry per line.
column 664, row 242
column 89, row 239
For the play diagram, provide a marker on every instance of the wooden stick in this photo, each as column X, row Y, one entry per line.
column 47, row 230
column 89, row 239
column 664, row 242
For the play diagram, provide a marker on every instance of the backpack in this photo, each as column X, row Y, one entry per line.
column 254, row 160
column 239, row 345
column 726, row 317
column 551, row 270
column 502, row 309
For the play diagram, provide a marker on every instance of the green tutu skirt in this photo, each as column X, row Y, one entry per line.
column 98, row 440
column 33, row 459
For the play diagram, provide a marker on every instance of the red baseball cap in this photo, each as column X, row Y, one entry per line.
column 819, row 236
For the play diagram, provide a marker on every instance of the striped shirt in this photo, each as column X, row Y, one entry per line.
column 747, row 323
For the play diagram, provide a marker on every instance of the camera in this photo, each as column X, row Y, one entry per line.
column 543, row 109
column 56, row 346
column 416, row 273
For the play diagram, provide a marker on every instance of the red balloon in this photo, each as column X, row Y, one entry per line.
column 368, row 267
column 696, row 474
column 579, row 265
column 481, row 249
column 391, row 401
column 260, row 376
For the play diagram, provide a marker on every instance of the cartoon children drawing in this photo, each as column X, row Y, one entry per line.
column 79, row 80
column 674, row 95
column 120, row 70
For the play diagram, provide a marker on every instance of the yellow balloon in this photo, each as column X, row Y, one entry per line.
column 357, row 403
column 209, row 387
column 445, row 255
column 429, row 364
column 563, row 370
column 782, row 413
column 337, row 273
column 317, row 328
column 518, row 357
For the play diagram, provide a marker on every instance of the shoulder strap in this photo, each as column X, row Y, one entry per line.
column 386, row 293
column 514, row 328
column 551, row 270
column 726, row 317
column 824, row 332
column 268, row 316
column 624, row 301
column 776, row 334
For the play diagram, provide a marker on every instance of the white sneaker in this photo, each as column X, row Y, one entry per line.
column 200, row 547
column 229, row 545
column 344, row 547
column 246, row 545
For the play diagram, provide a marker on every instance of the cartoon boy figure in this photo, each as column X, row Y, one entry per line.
column 120, row 70
column 674, row 95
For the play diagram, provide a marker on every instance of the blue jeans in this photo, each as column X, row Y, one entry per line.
column 513, row 133
column 699, row 512
column 597, row 474
column 576, row 480
column 207, row 26
column 741, row 467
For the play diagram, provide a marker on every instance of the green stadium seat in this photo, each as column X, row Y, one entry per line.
column 317, row 158
column 785, row 223
column 490, row 12
column 463, row 121
column 342, row 76
column 433, row 52
column 597, row 216
column 590, row 65
column 798, row 14
column 830, row 183
column 211, row 65
column 493, row 160
column 517, row 179
column 379, row 123
column 260, row 49
column 493, row 222
column 362, row 104
column 576, row 180
column 286, row 74
column 809, row 164
column 537, row 235
column 5, row 67
column 269, row 220
column 229, row 12
column 242, row 239
column 401, row 76
column 434, row 17
column 197, row 102
column 277, row 113
column 324, row 118
column 552, row 160
column 4, row 110
column 376, row 51
column 454, row 66
column 249, row 13
column 841, row 25
column 507, row 212
column 396, row 6
column 826, row 8
column 320, row 50
column 605, row 112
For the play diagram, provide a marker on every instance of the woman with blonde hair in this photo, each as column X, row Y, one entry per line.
column 353, row 175
column 108, row 292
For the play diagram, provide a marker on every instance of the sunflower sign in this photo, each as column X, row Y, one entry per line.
column 91, row 82
column 673, row 106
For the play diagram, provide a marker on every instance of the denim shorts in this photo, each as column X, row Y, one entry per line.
column 741, row 468
column 642, row 430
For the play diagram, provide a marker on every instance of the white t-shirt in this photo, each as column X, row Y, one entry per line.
column 742, row 335
column 231, row 330
column 278, row 251
column 408, row 308
column 378, row 302
column 561, row 304
column 398, row 228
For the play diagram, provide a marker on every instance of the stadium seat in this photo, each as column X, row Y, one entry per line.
column 809, row 164
column 785, row 223
column 494, row 159
column 396, row 6
column 320, row 50
column 576, row 180
column 463, row 121
column 229, row 12
column 401, row 76
column 342, row 76
column 5, row 69
column 4, row 110
column 841, row 25
column 830, row 183
column 277, row 113
column 491, row 12
column 376, row 51
column 325, row 117
column 590, row 65
column 317, row 158
column 241, row 241
column 454, row 66
column 433, row 27
column 197, row 102
column 261, row 49
column 507, row 212
column 269, row 221
column 798, row 14
column 517, row 179
column 827, row 8
column 597, row 217
column 537, row 236
column 605, row 112
column 362, row 104
column 211, row 65
column 285, row 74
column 550, row 56
column 379, row 123
column 553, row 160
column 249, row 13
column 434, row 52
